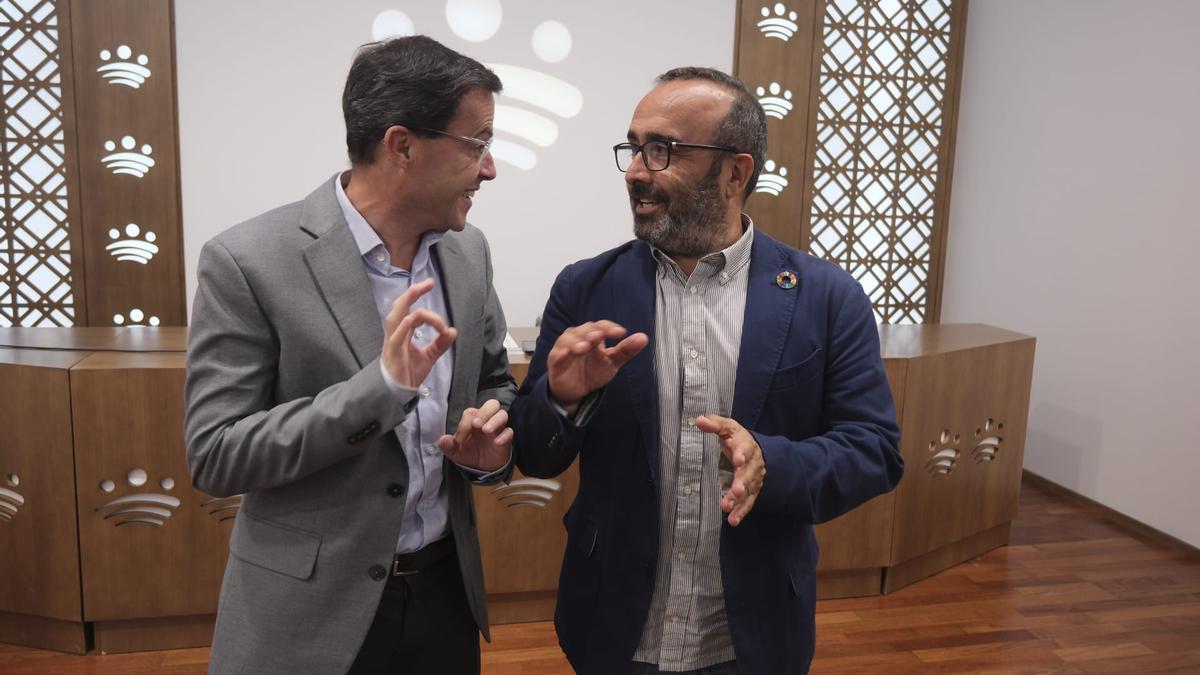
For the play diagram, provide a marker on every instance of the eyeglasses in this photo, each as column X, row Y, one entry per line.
column 480, row 146
column 656, row 155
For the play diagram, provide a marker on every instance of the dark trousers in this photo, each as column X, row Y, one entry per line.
column 423, row 625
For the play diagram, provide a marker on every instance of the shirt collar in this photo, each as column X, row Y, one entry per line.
column 370, row 246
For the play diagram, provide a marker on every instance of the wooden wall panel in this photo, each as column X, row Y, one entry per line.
column 40, row 571
column 122, row 109
column 128, row 415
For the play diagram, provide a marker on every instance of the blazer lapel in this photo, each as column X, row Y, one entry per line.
column 633, row 299
column 336, row 266
column 765, row 326
column 458, row 294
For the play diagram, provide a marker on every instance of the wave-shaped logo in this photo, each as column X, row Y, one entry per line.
column 532, row 492
column 132, row 73
column 778, row 104
column 129, row 159
column 222, row 508
column 11, row 501
column 136, row 247
column 782, row 24
column 987, row 441
column 771, row 182
column 944, row 454
column 141, row 508
column 531, row 99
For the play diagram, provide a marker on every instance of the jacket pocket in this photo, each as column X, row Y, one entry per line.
column 274, row 546
column 798, row 374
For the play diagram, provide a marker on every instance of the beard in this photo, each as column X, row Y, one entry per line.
column 693, row 221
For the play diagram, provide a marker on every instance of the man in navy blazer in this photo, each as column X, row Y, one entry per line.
column 723, row 393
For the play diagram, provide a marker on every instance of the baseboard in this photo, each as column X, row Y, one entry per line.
column 1114, row 515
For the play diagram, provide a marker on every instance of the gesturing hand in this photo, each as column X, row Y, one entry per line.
column 406, row 362
column 579, row 363
column 482, row 441
column 749, row 470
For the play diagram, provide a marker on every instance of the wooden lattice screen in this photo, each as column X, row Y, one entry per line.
column 874, row 87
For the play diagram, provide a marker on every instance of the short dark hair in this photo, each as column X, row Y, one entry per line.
column 415, row 81
column 744, row 128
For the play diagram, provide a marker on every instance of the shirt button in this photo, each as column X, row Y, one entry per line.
column 377, row 572
column 395, row 490
column 694, row 290
column 693, row 353
column 691, row 421
column 674, row 619
column 687, row 490
column 681, row 555
column 379, row 257
column 425, row 391
column 431, row 450
column 420, row 333
column 724, row 276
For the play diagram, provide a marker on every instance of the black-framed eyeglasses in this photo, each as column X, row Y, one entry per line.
column 479, row 145
column 657, row 154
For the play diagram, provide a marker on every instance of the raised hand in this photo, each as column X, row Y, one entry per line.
column 408, row 363
column 749, row 470
column 482, row 441
column 580, row 363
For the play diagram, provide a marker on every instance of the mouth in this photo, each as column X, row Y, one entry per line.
column 470, row 194
column 644, row 207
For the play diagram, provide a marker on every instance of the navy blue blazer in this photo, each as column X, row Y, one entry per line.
column 811, row 388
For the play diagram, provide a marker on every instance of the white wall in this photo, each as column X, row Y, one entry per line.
column 1074, row 219
column 260, row 115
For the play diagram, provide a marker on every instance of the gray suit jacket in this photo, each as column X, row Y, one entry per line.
column 286, row 405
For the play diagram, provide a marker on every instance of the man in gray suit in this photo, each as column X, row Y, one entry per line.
column 334, row 342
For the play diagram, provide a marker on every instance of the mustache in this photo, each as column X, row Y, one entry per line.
column 647, row 191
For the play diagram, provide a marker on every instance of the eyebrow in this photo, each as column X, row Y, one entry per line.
column 652, row 136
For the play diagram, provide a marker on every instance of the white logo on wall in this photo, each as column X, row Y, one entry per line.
column 770, row 181
column 781, row 25
column 136, row 316
column 128, row 160
column 519, row 128
column 10, row 499
column 141, row 508
column 532, row 492
column 136, row 247
column 775, row 105
column 131, row 73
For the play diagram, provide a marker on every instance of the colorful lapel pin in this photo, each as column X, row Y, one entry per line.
column 786, row 279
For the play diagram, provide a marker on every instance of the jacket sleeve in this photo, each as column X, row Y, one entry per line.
column 858, row 456
column 238, row 437
column 546, row 442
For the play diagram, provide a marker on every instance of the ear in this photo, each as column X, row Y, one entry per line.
column 741, row 167
column 396, row 145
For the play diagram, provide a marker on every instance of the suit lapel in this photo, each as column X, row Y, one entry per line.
column 336, row 266
column 458, row 294
column 633, row 301
column 765, row 326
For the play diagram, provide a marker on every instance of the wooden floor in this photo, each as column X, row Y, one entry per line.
column 1074, row 593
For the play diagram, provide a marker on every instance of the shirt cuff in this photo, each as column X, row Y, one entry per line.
column 407, row 396
column 481, row 476
column 583, row 413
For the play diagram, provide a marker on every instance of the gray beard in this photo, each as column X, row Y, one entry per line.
column 692, row 225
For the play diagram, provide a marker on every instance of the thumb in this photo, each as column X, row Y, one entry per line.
column 715, row 424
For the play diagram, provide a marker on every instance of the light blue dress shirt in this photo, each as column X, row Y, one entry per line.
column 426, row 510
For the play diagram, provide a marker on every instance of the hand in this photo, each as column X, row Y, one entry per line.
column 579, row 363
column 408, row 363
column 749, row 470
column 482, row 441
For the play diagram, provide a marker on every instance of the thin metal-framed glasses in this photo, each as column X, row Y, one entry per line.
column 657, row 154
column 481, row 147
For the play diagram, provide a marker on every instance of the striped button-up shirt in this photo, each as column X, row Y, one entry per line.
column 698, row 332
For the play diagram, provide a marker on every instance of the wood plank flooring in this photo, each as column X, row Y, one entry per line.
column 1075, row 592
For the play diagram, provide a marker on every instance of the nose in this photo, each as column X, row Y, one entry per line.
column 637, row 171
column 487, row 166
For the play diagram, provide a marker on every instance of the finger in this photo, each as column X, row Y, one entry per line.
column 434, row 350
column 716, row 424
column 447, row 444
column 628, row 348
column 402, row 304
column 465, row 425
column 491, row 407
column 503, row 439
column 496, row 423
column 743, row 509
